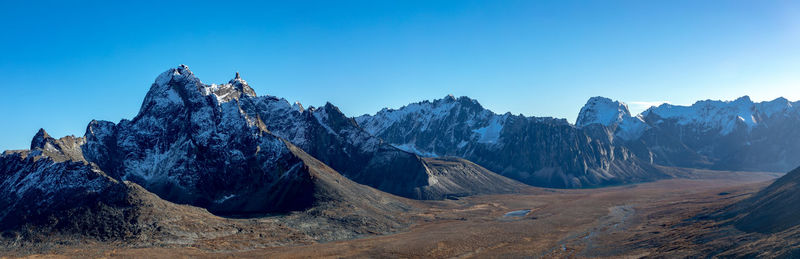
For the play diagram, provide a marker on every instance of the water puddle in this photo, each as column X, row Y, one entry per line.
column 514, row 215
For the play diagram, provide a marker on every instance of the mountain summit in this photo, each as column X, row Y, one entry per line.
column 603, row 111
column 612, row 114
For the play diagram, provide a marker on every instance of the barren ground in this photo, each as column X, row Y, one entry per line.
column 642, row 220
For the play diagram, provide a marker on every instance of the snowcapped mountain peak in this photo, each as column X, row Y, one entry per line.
column 175, row 74
column 176, row 84
column 172, row 89
column 607, row 112
column 240, row 87
column 601, row 110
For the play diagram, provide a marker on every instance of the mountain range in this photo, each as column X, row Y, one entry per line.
column 223, row 149
column 228, row 152
column 537, row 151
column 725, row 135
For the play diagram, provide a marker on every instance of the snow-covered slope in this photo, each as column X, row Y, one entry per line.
column 454, row 123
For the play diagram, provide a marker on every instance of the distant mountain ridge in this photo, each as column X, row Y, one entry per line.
column 539, row 151
column 725, row 135
column 728, row 135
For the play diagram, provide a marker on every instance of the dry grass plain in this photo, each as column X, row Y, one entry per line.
column 656, row 219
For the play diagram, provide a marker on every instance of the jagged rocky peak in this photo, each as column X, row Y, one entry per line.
column 235, row 88
column 180, row 86
column 241, row 85
column 601, row 110
column 41, row 139
column 330, row 115
column 66, row 148
column 172, row 88
column 180, row 73
column 462, row 103
column 463, row 100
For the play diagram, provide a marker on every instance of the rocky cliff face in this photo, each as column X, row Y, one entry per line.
column 537, row 151
column 190, row 145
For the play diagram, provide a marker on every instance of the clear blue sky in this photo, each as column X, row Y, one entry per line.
column 63, row 64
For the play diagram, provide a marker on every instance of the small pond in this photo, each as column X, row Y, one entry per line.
column 516, row 213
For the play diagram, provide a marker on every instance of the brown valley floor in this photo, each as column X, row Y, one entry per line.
column 653, row 219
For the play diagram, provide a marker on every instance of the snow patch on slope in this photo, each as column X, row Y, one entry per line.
column 631, row 128
column 491, row 133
